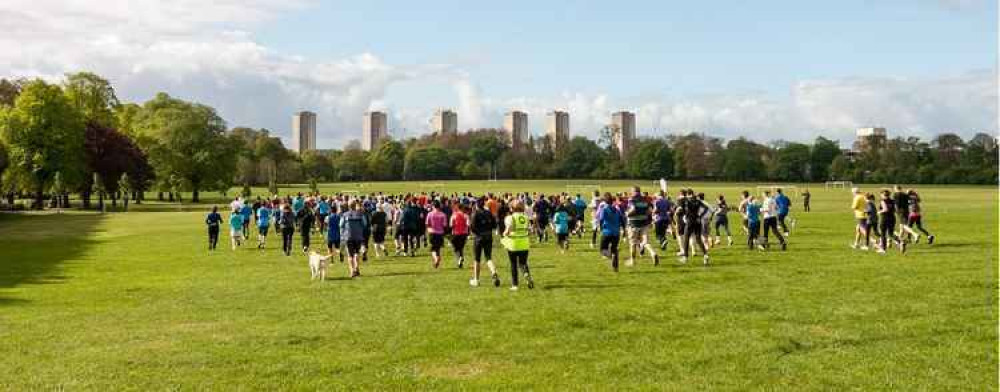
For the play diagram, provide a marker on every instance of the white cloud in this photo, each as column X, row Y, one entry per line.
column 206, row 51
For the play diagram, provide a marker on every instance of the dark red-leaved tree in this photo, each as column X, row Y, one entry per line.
column 110, row 153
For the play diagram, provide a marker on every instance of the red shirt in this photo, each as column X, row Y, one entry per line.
column 459, row 223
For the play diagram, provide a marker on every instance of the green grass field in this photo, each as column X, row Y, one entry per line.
column 134, row 301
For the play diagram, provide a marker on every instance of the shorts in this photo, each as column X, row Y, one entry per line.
column 561, row 237
column 333, row 243
column 637, row 235
column 863, row 222
column 353, row 247
column 262, row 230
column 236, row 233
column 437, row 241
column 379, row 235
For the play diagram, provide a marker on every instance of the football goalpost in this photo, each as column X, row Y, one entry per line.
column 839, row 184
column 787, row 189
column 431, row 186
column 583, row 190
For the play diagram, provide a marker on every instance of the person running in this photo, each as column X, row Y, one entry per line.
column 743, row 210
column 706, row 220
column 805, row 200
column 722, row 221
column 411, row 227
column 916, row 219
column 595, row 223
column 858, row 205
column 784, row 206
column 380, row 226
column 752, row 217
column 333, row 232
column 871, row 226
column 322, row 212
column 770, row 209
column 352, row 228
column 436, row 222
column 263, row 224
column 902, row 201
column 580, row 206
column 640, row 216
column 286, row 222
column 246, row 210
column 516, row 239
column 236, row 228
column 482, row 226
column 213, row 221
column 541, row 210
column 611, row 222
column 661, row 218
column 692, row 209
column 307, row 218
column 459, row 223
column 560, row 225
column 887, row 224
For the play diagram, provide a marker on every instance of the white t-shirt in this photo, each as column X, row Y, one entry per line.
column 770, row 208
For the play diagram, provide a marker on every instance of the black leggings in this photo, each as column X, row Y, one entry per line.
column 693, row 230
column 482, row 246
column 660, row 228
column 286, row 240
column 886, row 232
column 306, row 233
column 542, row 233
column 458, row 245
column 753, row 230
column 722, row 224
column 609, row 243
column 213, row 237
column 917, row 223
column 771, row 225
column 518, row 258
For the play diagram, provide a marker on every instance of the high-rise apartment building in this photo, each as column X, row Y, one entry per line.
column 303, row 132
column 870, row 138
column 623, row 123
column 516, row 125
column 374, row 129
column 557, row 129
column 445, row 122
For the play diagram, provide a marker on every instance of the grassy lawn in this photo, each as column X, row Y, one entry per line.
column 134, row 301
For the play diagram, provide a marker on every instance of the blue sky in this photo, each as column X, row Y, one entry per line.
column 767, row 70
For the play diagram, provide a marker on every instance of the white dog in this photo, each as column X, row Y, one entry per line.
column 317, row 265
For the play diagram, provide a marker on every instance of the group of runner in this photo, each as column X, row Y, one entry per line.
column 891, row 216
column 356, row 225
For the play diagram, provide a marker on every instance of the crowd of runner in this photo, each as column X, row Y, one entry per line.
column 356, row 227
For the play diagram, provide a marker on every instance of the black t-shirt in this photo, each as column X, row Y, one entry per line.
column 902, row 201
column 483, row 223
column 379, row 219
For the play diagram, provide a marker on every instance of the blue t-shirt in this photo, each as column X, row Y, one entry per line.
column 611, row 221
column 783, row 204
column 561, row 222
column 298, row 205
column 247, row 212
column 323, row 207
column 264, row 217
column 581, row 207
column 236, row 221
column 333, row 228
column 662, row 207
column 753, row 212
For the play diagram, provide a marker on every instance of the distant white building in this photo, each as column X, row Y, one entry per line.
column 375, row 128
column 516, row 125
column 870, row 138
column 304, row 131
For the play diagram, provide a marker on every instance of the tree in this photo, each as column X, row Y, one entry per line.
column 742, row 161
column 581, row 158
column 428, row 163
column 793, row 162
column 486, row 150
column 186, row 140
column 823, row 152
column 111, row 154
column 124, row 187
column 92, row 96
column 351, row 165
column 651, row 159
column 100, row 190
column 9, row 90
column 385, row 163
column 317, row 166
column 44, row 135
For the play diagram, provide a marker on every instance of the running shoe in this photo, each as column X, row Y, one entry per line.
column 656, row 260
column 930, row 240
column 496, row 280
column 474, row 282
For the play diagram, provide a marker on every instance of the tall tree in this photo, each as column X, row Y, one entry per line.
column 486, row 150
column 9, row 90
column 581, row 158
column 385, row 163
column 93, row 97
column 742, row 161
column 651, row 159
column 793, row 162
column 44, row 134
column 821, row 156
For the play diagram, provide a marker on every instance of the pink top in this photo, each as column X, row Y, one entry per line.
column 436, row 222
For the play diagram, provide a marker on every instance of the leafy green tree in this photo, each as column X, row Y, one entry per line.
column 486, row 150
column 821, row 156
column 793, row 162
column 352, row 165
column 581, row 158
column 742, row 161
column 44, row 135
column 317, row 166
column 9, row 90
column 186, row 140
column 428, row 163
column 93, row 97
column 651, row 159
column 99, row 190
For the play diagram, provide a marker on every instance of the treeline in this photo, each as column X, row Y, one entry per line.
column 78, row 138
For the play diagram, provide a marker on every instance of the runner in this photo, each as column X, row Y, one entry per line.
column 436, row 222
column 380, row 225
column 411, row 228
column 860, row 216
column 805, row 199
column 784, row 205
column 213, row 221
column 286, row 221
column 246, row 210
column 916, row 218
column 692, row 211
column 516, row 240
column 307, row 218
column 541, row 211
column 560, row 225
column 322, row 211
column 752, row 217
column 352, row 229
column 459, row 224
column 611, row 223
column 333, row 232
column 871, row 226
column 722, row 221
column 887, row 223
column 639, row 216
column 580, row 206
column 902, row 201
column 236, row 228
column 743, row 210
column 263, row 224
column 661, row 218
column 595, row 223
column 769, row 206
column 483, row 224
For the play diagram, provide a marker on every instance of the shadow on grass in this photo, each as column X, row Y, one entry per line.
column 35, row 246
